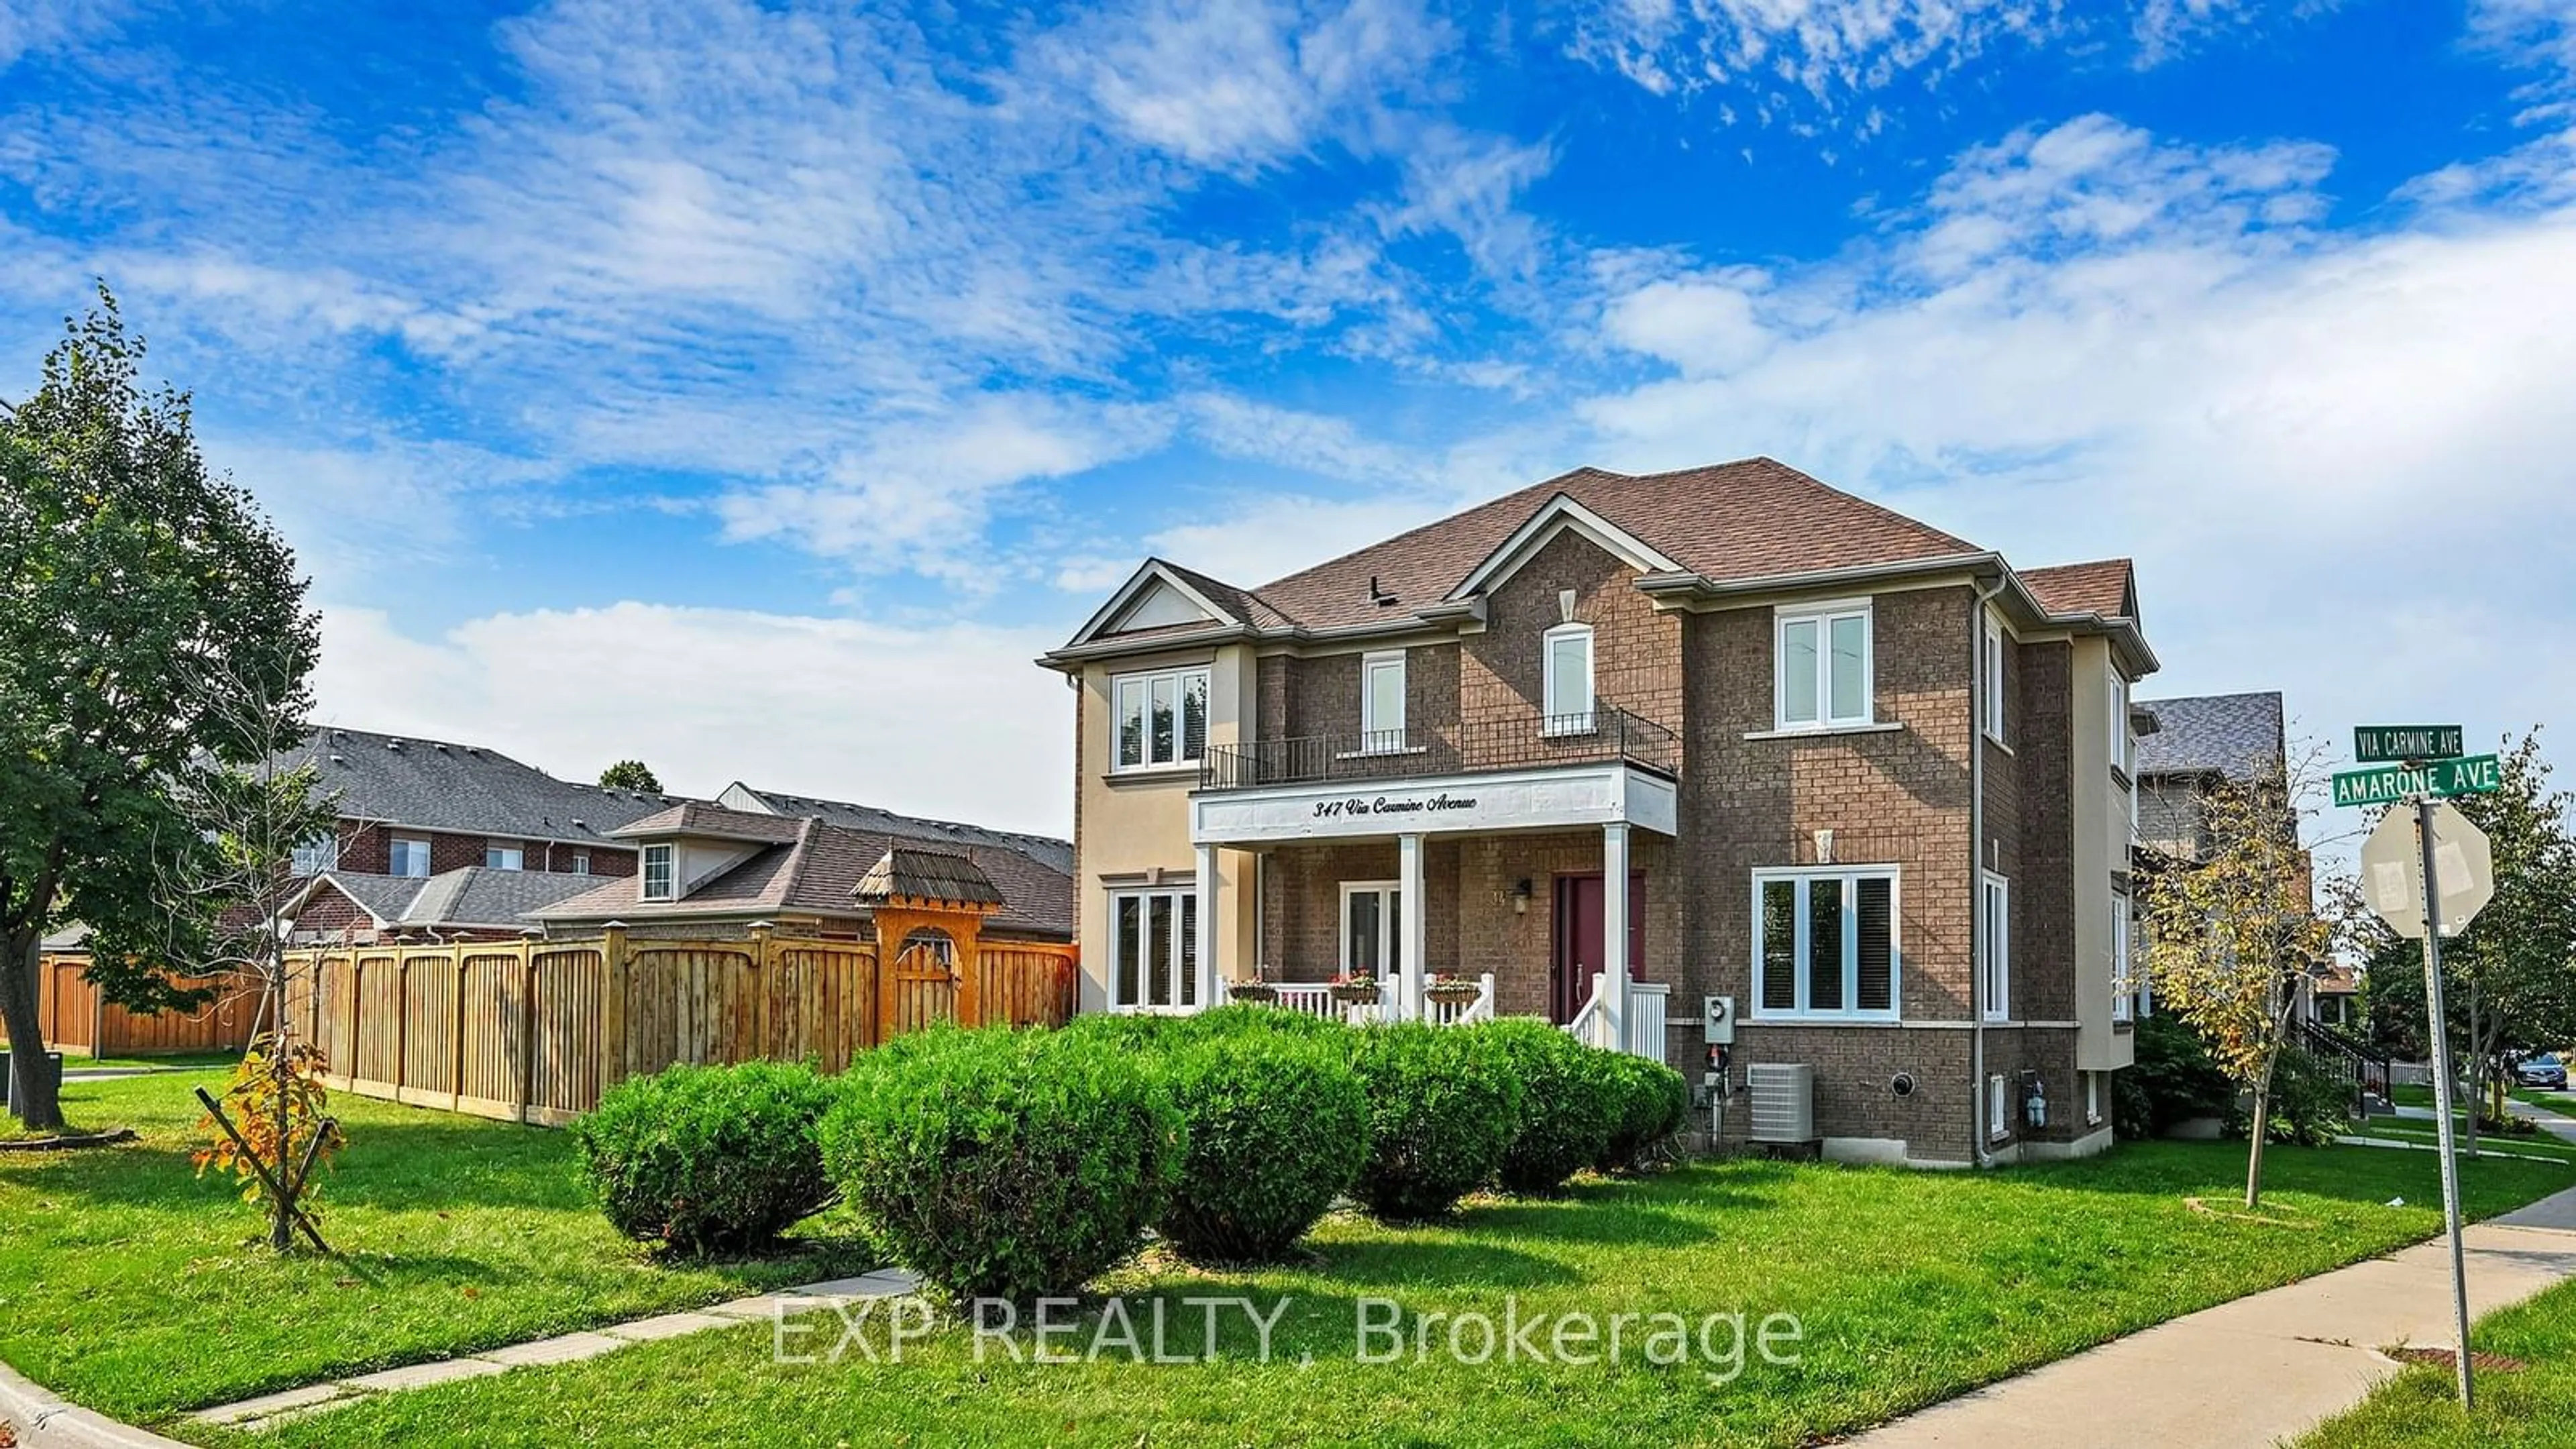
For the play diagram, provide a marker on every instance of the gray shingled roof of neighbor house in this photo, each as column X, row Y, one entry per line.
column 472, row 895
column 1045, row 849
column 442, row 785
column 2224, row 734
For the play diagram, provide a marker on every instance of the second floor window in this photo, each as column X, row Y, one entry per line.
column 317, row 855
column 2119, row 722
column 1824, row 667
column 497, row 856
column 1159, row 718
column 581, row 862
column 1382, row 701
column 658, row 878
column 1994, row 678
column 1568, row 685
column 407, row 855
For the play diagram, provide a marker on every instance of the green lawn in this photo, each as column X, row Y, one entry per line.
column 2532, row 1406
column 132, row 1287
column 2410, row 1129
column 1909, row 1288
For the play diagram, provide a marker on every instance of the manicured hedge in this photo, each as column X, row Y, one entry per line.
column 1653, row 1103
column 1444, row 1105
column 1011, row 1164
column 709, row 1159
column 1277, row 1129
column 1567, row 1109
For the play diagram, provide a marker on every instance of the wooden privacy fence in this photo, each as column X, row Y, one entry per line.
column 535, row 1030
column 77, row 1019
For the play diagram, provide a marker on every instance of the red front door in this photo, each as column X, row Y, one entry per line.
column 1579, row 944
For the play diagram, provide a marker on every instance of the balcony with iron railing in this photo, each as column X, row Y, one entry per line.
column 1478, row 742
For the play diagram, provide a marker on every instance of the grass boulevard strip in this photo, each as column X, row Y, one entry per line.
column 130, row 1287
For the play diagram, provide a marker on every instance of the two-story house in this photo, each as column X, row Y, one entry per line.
column 1744, row 734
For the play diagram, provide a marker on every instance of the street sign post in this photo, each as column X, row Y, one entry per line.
column 2384, row 744
column 2427, row 872
column 2439, row 779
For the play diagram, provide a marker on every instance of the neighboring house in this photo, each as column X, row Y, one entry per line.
column 418, row 808
column 1749, row 735
column 2189, row 747
column 2334, row 999
column 1047, row 850
column 357, row 908
column 709, row 871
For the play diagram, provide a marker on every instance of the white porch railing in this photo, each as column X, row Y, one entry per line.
column 1315, row 998
column 1647, row 1003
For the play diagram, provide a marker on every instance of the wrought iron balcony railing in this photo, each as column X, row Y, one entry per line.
column 1479, row 742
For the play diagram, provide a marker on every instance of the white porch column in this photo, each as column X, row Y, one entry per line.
column 1208, row 975
column 1614, row 928
column 1412, row 918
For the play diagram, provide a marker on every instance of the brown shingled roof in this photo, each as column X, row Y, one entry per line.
column 2100, row 587
column 904, row 873
column 1729, row 522
column 696, row 817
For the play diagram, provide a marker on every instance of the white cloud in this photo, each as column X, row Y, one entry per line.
column 954, row 722
column 2339, row 458
column 1825, row 50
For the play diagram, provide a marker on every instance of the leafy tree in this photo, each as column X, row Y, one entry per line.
column 630, row 775
column 2233, row 933
column 2509, row 979
column 126, row 571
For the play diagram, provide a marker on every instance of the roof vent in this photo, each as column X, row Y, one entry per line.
column 1379, row 596
column 395, row 745
column 442, row 749
column 336, row 759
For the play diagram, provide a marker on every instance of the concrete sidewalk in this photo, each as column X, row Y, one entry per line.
column 2261, row 1369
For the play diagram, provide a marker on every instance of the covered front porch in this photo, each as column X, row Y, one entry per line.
column 1456, row 897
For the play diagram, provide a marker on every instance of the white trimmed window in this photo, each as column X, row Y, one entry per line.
column 581, row 862
column 1994, row 677
column 1382, row 702
column 1372, row 929
column 317, row 855
column 1994, row 947
column 1153, row 950
column 658, row 873
column 1824, row 944
column 407, row 855
column 1823, row 668
column 1998, row 1109
column 2092, row 1099
column 2119, row 722
column 1568, row 683
column 2124, row 986
column 1158, row 720
column 497, row 856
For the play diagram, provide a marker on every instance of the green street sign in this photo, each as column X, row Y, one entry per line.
column 2477, row 775
column 2382, row 744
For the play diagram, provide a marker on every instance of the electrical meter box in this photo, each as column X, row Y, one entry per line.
column 1718, row 1021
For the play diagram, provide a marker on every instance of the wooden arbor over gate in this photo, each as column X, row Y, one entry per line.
column 929, row 909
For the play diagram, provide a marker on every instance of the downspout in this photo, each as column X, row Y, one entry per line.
column 1979, row 1147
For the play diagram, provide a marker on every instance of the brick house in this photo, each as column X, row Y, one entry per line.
column 1764, row 740
column 413, row 807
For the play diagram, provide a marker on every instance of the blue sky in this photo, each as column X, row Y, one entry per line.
column 757, row 388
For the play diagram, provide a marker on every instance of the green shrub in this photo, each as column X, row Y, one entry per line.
column 1278, row 1128
column 1443, row 1106
column 709, row 1159
column 1653, row 1103
column 2312, row 1100
column 1002, row 1163
column 1568, row 1108
column 1261, row 1016
column 2175, row 1076
column 1133, row 1030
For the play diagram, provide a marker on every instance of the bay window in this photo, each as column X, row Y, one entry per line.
column 1154, row 948
column 1824, row 944
column 1159, row 719
column 1823, row 667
